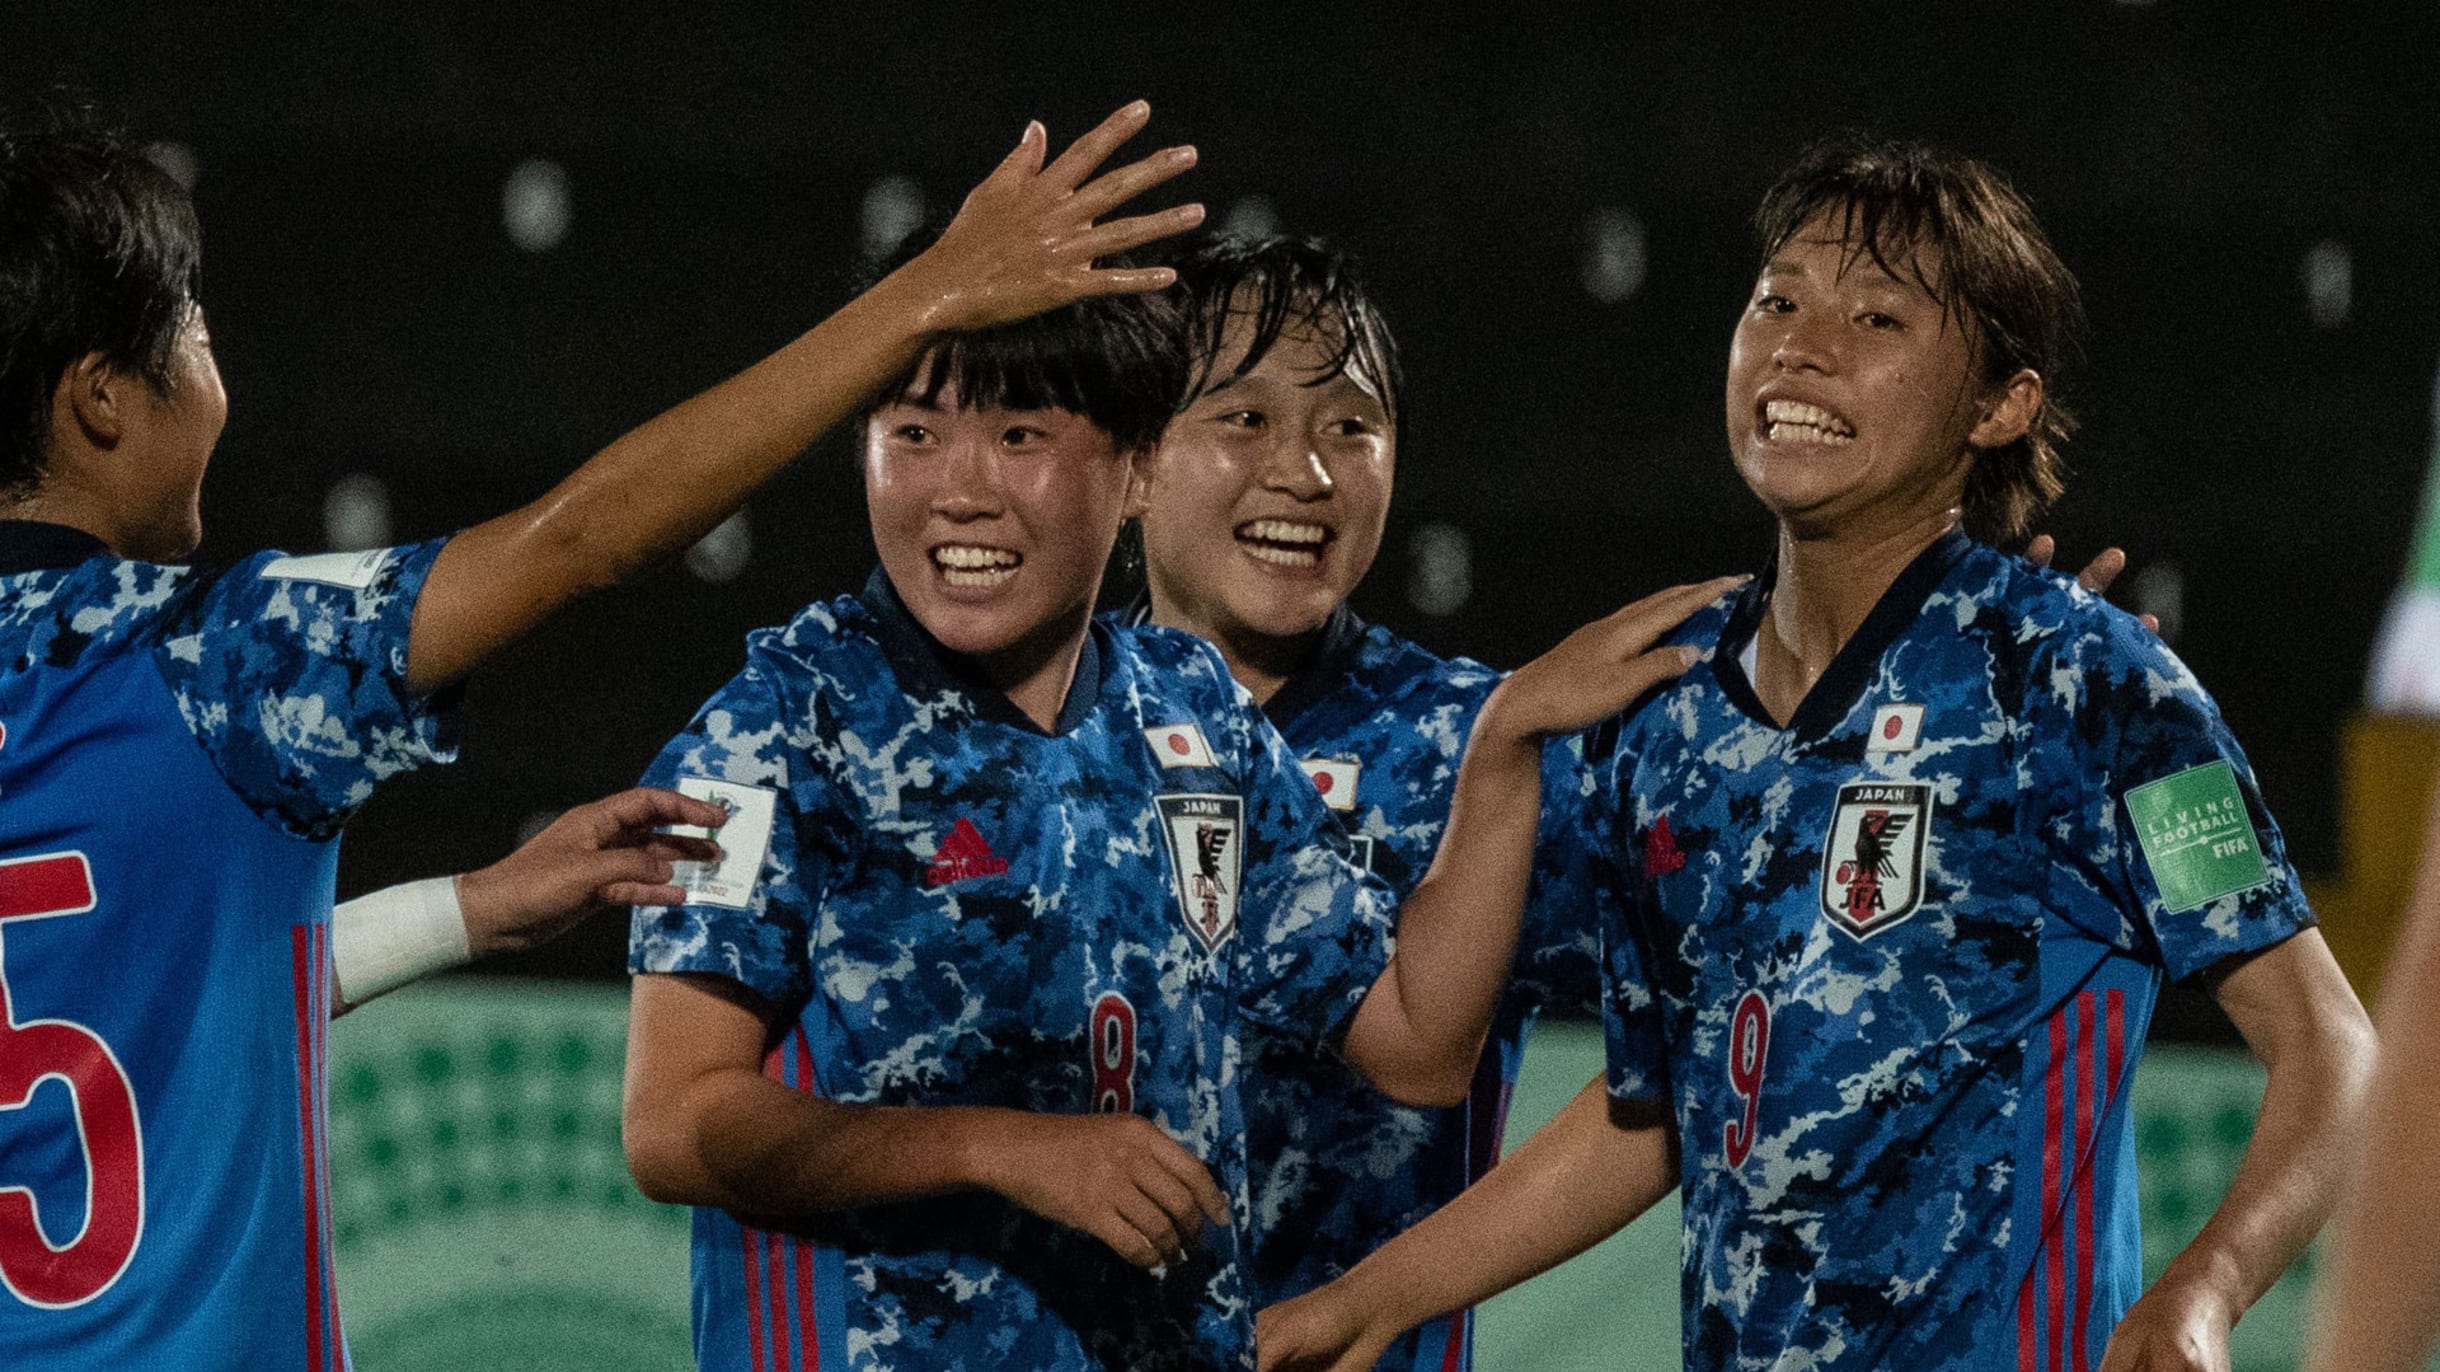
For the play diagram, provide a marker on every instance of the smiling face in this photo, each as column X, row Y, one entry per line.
column 1853, row 401
column 994, row 524
column 1270, row 495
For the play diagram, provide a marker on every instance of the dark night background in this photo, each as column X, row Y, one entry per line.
column 372, row 315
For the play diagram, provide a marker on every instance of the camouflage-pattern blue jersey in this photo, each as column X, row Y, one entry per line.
column 949, row 906
column 1892, row 965
column 1338, row 1168
column 178, row 750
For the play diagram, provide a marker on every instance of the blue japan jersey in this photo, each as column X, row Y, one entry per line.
column 1892, row 965
column 1338, row 1168
column 949, row 906
column 178, row 750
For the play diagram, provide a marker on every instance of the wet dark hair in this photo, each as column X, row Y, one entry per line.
column 1998, row 275
column 99, row 253
column 1282, row 284
column 1113, row 359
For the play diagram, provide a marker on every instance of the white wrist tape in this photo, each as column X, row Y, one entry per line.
column 383, row 941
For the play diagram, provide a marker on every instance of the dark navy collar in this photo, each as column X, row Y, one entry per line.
column 1334, row 657
column 28, row 545
column 1851, row 672
column 927, row 668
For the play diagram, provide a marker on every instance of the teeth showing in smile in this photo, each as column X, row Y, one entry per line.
column 1794, row 421
column 1287, row 543
column 973, row 566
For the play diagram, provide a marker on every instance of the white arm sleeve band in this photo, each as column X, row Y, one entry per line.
column 383, row 941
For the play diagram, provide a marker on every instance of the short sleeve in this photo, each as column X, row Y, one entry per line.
column 748, row 918
column 1317, row 925
column 291, row 673
column 1632, row 1039
column 1558, row 969
column 2156, row 810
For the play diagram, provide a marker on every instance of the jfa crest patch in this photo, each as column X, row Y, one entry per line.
column 1206, row 835
column 1872, row 866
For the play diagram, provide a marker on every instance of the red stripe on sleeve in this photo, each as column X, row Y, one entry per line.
column 777, row 1248
column 300, row 953
column 751, row 1241
column 2088, row 1087
column 808, row 1336
column 2054, row 1226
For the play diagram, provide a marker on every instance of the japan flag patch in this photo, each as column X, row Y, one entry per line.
column 1180, row 745
column 1335, row 778
column 1895, row 729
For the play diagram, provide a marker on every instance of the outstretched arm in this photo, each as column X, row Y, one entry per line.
column 2378, row 1296
column 2301, row 1019
column 704, row 1126
column 610, row 852
column 1577, row 1181
column 1024, row 242
column 1421, row 1027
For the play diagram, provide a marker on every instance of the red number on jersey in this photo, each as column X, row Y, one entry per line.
column 35, row 1270
column 1749, row 1042
column 1113, row 1055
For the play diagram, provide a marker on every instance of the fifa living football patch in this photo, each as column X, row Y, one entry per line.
column 348, row 571
column 2197, row 837
column 744, row 841
column 1206, row 835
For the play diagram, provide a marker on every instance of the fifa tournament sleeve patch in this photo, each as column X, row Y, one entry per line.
column 2197, row 837
column 349, row 571
column 1180, row 745
column 744, row 842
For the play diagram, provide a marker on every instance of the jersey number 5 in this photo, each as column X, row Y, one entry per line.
column 1113, row 1055
column 1749, row 1043
column 37, row 1271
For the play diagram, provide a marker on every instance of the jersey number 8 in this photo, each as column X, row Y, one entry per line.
column 1113, row 1031
column 37, row 1271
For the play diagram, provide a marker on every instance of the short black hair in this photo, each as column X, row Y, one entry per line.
column 99, row 253
column 1998, row 276
column 1282, row 283
column 1112, row 358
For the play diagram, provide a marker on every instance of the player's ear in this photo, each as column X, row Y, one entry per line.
column 1142, row 464
column 92, row 401
column 2008, row 412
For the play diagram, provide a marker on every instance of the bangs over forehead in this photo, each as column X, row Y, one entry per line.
column 1957, row 229
column 1275, row 287
column 1950, row 225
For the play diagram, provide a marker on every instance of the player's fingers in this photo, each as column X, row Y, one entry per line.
column 1090, row 151
column 1189, row 1169
column 639, row 893
column 1640, row 624
column 1119, row 235
column 1177, row 1201
column 1124, row 281
column 677, row 848
column 1108, row 191
column 2102, row 570
column 2151, row 622
column 1026, row 157
column 1647, row 670
column 1154, row 1222
column 1128, row 1237
column 644, row 807
column 2041, row 550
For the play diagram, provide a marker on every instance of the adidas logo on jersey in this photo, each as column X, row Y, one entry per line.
column 963, row 856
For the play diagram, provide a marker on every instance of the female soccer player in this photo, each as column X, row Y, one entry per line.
column 1266, row 512
column 180, row 747
column 1897, row 871
column 956, row 1032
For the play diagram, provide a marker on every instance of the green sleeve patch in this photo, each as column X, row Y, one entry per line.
column 2197, row 837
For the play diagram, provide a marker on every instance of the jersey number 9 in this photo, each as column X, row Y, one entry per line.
column 1749, row 1043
